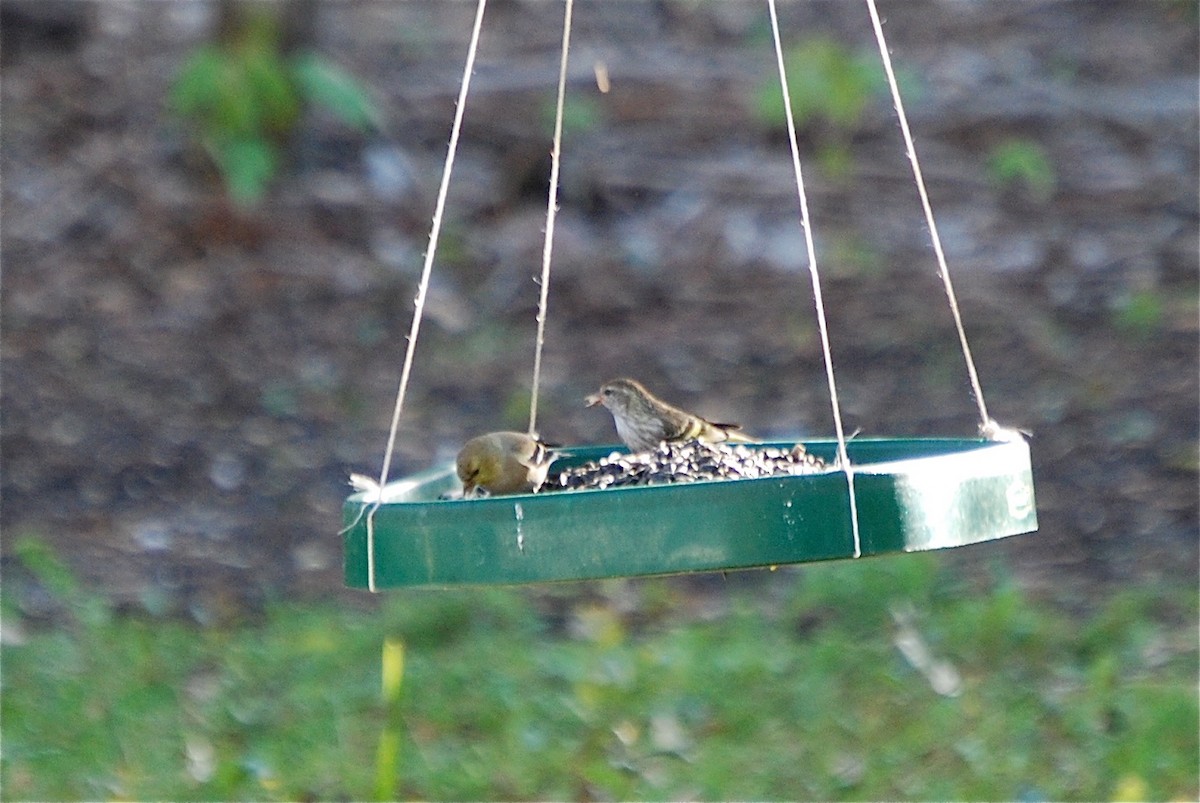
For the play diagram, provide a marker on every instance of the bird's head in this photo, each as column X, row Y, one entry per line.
column 476, row 467
column 468, row 472
column 620, row 396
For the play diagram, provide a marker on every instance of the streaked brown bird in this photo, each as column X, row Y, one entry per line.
column 503, row 463
column 643, row 420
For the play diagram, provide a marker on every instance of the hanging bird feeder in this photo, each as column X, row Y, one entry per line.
column 912, row 495
column 871, row 496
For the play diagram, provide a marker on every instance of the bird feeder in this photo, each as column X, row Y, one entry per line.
column 877, row 496
column 912, row 495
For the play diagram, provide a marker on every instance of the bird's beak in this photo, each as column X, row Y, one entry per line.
column 593, row 400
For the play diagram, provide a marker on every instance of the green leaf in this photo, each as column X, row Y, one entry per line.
column 328, row 85
column 826, row 81
column 44, row 564
column 1023, row 161
column 53, row 573
column 270, row 89
column 247, row 165
column 216, row 90
column 580, row 114
column 1141, row 312
column 234, row 111
column 199, row 81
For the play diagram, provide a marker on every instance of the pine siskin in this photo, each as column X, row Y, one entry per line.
column 643, row 420
column 503, row 463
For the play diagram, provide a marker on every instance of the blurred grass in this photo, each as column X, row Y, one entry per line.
column 796, row 691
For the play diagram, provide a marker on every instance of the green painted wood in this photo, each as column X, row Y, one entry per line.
column 912, row 494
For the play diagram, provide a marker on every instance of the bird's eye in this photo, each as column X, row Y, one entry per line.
column 607, row 391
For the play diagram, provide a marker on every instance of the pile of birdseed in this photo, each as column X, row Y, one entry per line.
column 687, row 462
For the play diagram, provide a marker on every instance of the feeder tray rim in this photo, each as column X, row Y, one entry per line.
column 408, row 483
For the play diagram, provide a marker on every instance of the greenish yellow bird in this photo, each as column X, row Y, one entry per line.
column 643, row 420
column 503, row 463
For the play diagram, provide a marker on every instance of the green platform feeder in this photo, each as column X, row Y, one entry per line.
column 911, row 495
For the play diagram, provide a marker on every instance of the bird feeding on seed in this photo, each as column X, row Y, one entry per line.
column 503, row 463
column 643, row 420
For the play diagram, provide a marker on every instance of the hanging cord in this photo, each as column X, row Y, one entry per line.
column 422, row 289
column 551, row 214
column 843, row 457
column 986, row 424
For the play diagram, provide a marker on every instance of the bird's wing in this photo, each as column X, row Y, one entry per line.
column 542, row 454
column 732, row 432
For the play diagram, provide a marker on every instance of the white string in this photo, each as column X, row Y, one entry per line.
column 551, row 214
column 943, row 271
column 422, row 288
column 843, row 457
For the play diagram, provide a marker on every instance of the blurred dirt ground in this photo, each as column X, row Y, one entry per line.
column 185, row 387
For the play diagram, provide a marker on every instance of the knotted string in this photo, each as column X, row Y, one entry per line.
column 551, row 214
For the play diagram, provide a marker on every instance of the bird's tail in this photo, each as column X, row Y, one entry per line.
column 735, row 435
